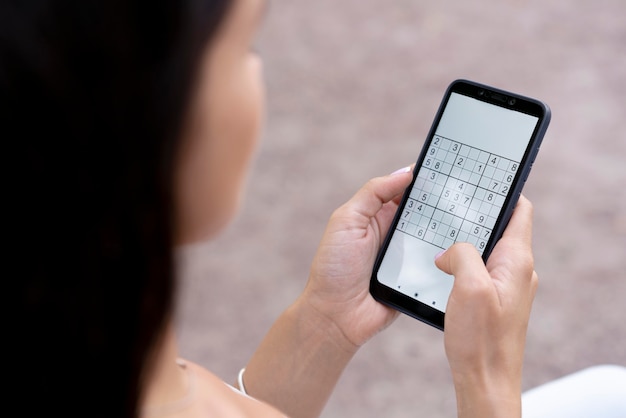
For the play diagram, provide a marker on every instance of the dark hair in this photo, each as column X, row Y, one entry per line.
column 92, row 100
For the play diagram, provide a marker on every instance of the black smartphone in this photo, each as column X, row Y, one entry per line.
column 466, row 182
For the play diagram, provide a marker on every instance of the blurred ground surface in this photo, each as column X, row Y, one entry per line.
column 353, row 86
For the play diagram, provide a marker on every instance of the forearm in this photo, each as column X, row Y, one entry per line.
column 298, row 362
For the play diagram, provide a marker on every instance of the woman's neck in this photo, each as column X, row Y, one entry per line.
column 166, row 382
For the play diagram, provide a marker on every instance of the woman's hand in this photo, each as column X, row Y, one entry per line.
column 487, row 317
column 338, row 287
column 303, row 355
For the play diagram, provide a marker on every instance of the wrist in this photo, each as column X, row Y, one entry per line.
column 298, row 362
column 484, row 395
column 321, row 326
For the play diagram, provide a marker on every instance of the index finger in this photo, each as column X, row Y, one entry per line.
column 520, row 227
column 512, row 255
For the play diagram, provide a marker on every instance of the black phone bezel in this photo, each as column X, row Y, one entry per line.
column 495, row 96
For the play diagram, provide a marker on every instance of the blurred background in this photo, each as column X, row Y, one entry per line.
column 353, row 87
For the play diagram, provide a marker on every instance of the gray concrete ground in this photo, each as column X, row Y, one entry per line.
column 353, row 86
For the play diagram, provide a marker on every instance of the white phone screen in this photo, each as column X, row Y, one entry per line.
column 459, row 192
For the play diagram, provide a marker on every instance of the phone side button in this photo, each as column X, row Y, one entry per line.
column 528, row 172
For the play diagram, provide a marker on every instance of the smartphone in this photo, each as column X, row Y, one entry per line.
column 466, row 182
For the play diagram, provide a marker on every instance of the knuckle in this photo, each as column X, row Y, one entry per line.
column 372, row 185
column 534, row 280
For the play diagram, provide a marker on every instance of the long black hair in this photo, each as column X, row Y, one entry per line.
column 92, row 99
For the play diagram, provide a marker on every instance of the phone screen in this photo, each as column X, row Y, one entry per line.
column 469, row 168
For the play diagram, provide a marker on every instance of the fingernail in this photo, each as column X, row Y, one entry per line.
column 439, row 254
column 401, row 171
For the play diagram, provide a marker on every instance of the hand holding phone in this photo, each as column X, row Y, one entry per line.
column 466, row 183
column 487, row 317
column 341, row 269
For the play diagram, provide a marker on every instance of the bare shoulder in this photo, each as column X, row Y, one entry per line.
column 215, row 398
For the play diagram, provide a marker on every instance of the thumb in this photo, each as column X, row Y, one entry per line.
column 463, row 261
column 378, row 191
